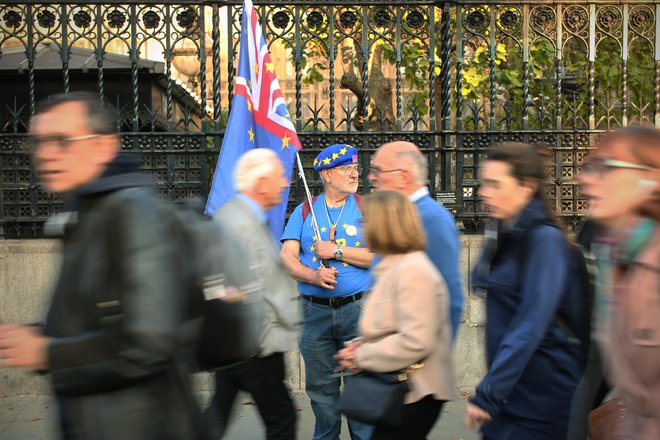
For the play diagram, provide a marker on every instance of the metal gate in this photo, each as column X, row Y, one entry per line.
column 452, row 77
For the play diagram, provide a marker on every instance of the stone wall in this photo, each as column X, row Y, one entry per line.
column 28, row 269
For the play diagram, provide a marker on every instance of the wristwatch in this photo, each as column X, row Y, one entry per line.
column 339, row 254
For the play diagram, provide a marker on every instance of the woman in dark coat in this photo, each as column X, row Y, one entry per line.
column 528, row 274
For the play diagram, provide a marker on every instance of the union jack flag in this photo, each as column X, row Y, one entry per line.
column 259, row 119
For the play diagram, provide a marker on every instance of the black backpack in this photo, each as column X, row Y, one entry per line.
column 225, row 318
column 587, row 271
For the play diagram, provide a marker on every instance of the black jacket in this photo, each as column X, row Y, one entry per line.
column 116, row 360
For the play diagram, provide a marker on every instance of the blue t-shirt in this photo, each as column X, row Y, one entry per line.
column 350, row 279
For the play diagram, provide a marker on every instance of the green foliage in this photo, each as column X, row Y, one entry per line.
column 415, row 71
column 508, row 72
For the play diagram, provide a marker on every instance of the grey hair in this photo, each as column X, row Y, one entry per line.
column 419, row 165
column 252, row 166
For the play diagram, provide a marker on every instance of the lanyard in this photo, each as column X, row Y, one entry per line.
column 333, row 227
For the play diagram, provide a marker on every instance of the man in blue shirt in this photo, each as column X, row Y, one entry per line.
column 402, row 167
column 330, row 262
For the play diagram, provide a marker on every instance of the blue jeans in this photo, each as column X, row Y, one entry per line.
column 325, row 329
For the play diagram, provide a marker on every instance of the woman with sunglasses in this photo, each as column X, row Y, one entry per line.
column 528, row 274
column 622, row 183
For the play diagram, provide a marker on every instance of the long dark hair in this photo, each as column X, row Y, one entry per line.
column 527, row 164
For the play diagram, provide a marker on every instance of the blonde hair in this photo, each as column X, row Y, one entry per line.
column 392, row 224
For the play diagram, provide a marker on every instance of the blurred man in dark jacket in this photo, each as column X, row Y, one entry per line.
column 111, row 341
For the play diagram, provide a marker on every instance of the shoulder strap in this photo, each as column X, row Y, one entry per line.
column 358, row 201
column 307, row 208
column 109, row 304
column 586, row 263
column 588, row 272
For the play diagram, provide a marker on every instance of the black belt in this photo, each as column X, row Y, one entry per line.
column 335, row 301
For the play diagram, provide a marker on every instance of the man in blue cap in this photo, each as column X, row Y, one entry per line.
column 330, row 261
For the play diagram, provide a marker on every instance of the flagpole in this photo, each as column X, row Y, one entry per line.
column 315, row 224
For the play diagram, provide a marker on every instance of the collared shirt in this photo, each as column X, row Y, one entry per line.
column 254, row 207
column 423, row 191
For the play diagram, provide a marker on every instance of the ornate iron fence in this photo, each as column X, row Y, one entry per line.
column 452, row 77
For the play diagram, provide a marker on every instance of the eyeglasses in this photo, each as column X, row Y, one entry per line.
column 377, row 171
column 600, row 167
column 62, row 142
column 350, row 169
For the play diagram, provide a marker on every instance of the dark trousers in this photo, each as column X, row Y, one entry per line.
column 418, row 419
column 263, row 378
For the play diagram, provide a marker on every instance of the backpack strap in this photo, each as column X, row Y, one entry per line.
column 307, row 208
column 586, row 264
column 358, row 201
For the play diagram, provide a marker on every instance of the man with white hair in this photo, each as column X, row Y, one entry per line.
column 401, row 166
column 260, row 180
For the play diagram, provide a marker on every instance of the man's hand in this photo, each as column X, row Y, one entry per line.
column 475, row 417
column 325, row 250
column 325, row 277
column 23, row 347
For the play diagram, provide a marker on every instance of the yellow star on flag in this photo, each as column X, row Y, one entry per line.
column 314, row 259
column 270, row 67
column 251, row 133
column 311, row 248
column 358, row 243
column 315, row 162
column 326, row 161
column 343, row 151
column 345, row 264
column 256, row 69
column 345, row 225
column 323, row 229
column 320, row 266
column 285, row 142
column 249, row 105
column 314, row 238
column 333, row 268
column 335, row 156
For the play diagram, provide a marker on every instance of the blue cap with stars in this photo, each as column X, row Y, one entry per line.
column 335, row 156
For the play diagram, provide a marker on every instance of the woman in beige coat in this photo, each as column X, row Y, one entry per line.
column 405, row 318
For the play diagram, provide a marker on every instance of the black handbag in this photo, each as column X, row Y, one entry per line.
column 374, row 398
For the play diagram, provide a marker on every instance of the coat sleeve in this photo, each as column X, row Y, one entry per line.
column 143, row 339
column 277, row 288
column 543, row 281
column 418, row 312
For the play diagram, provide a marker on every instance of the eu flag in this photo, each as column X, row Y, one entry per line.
column 258, row 119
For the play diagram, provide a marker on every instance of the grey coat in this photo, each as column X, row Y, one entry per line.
column 258, row 263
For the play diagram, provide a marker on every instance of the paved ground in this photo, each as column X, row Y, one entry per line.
column 32, row 418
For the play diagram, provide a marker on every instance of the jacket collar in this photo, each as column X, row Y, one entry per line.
column 532, row 215
column 122, row 172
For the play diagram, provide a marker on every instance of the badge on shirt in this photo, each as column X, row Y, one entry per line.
column 351, row 230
